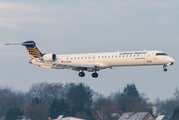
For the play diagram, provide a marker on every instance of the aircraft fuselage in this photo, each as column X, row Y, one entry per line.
column 114, row 59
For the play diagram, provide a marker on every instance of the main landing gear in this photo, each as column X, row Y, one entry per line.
column 95, row 75
column 82, row 74
column 165, row 68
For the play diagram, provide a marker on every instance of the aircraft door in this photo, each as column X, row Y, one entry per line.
column 149, row 58
column 91, row 59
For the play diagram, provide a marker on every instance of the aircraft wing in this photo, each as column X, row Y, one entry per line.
column 65, row 66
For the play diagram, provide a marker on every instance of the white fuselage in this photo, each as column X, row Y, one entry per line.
column 113, row 59
column 93, row 62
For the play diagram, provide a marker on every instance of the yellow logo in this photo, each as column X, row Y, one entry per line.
column 34, row 52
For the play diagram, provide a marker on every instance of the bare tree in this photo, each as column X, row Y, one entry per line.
column 97, row 95
column 16, row 101
column 106, row 109
column 82, row 115
column 46, row 92
column 110, row 110
column 5, row 94
column 10, row 99
column 176, row 96
column 167, row 107
column 36, row 111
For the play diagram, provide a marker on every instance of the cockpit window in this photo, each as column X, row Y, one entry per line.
column 161, row 54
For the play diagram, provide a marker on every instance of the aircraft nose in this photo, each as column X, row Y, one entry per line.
column 172, row 60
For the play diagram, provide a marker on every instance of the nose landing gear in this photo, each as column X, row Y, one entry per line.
column 165, row 68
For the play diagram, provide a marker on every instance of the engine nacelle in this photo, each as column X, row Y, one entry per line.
column 49, row 58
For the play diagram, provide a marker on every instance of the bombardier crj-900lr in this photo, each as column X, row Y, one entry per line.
column 93, row 62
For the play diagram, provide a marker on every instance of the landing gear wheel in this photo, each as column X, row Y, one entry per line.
column 81, row 74
column 95, row 75
column 165, row 69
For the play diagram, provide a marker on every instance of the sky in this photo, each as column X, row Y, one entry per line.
column 83, row 26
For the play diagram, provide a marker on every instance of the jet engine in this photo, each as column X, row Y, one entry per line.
column 48, row 58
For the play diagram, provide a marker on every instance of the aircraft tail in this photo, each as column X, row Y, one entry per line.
column 32, row 49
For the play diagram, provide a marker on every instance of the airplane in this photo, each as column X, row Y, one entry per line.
column 93, row 62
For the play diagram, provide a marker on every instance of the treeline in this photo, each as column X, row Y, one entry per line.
column 45, row 100
column 169, row 107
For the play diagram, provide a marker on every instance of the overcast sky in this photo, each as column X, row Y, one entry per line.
column 82, row 26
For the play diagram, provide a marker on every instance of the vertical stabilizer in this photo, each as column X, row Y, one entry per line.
column 32, row 49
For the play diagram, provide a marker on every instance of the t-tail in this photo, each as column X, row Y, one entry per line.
column 32, row 48
column 35, row 52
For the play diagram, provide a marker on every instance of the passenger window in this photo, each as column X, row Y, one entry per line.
column 130, row 55
column 78, row 57
column 138, row 55
column 123, row 55
column 112, row 56
column 81, row 57
column 75, row 58
column 119, row 55
column 98, row 56
column 126, row 55
column 85, row 57
column 67, row 58
column 108, row 56
column 88, row 57
column 102, row 56
column 105, row 56
column 116, row 56
column 134, row 55
column 71, row 58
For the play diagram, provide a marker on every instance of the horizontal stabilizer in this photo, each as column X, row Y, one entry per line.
column 32, row 49
column 13, row 44
column 24, row 44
